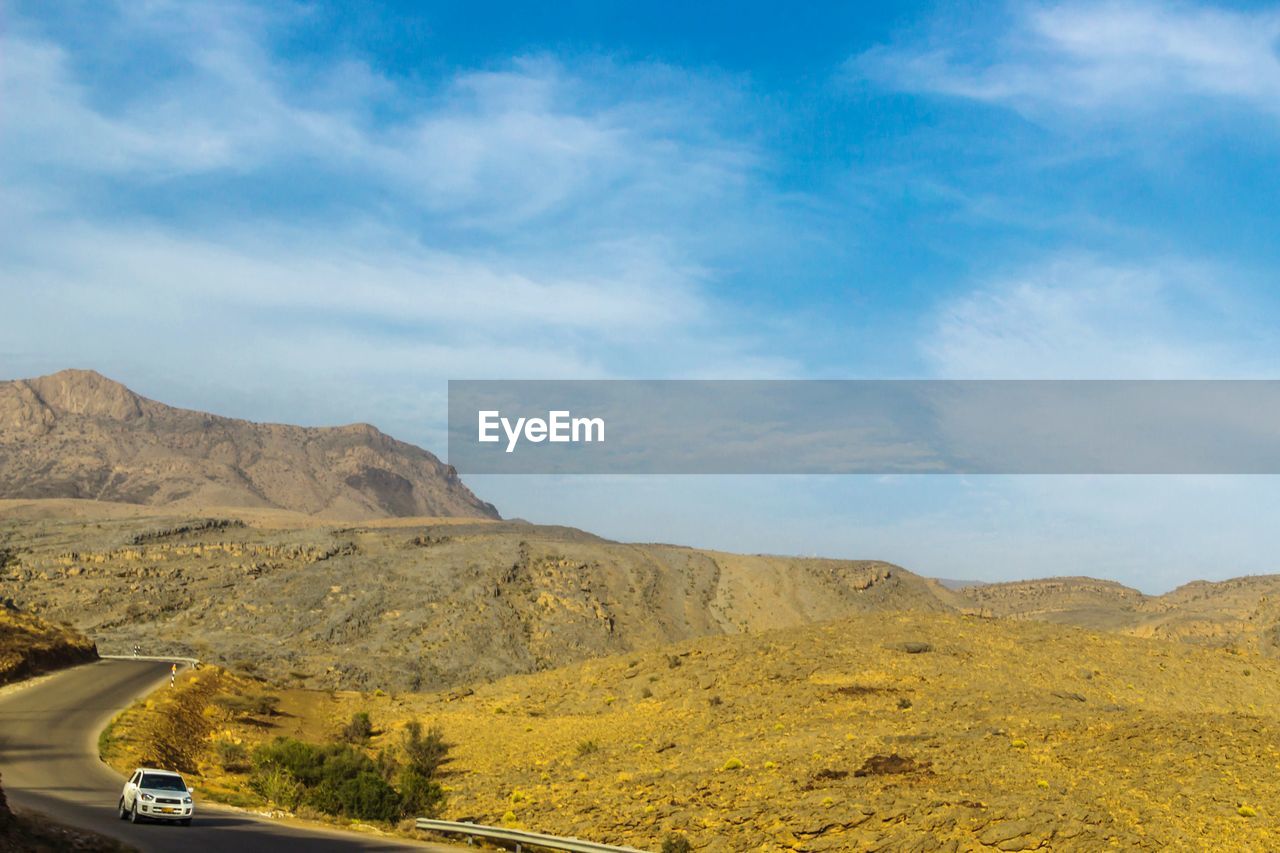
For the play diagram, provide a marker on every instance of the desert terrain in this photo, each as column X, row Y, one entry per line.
column 647, row 694
column 886, row 731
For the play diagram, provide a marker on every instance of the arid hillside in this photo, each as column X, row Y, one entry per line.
column 29, row 646
column 1241, row 613
column 887, row 732
column 407, row 604
column 77, row 434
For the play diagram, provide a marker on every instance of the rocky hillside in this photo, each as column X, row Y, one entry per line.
column 1241, row 613
column 888, row 731
column 76, row 434
column 412, row 605
column 29, row 645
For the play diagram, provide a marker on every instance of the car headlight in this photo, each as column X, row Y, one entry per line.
column 186, row 800
column 147, row 798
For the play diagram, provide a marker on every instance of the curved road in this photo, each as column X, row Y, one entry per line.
column 49, row 761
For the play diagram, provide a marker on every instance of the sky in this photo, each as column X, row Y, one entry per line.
column 318, row 213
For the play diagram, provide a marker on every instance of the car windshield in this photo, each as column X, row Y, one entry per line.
column 162, row 782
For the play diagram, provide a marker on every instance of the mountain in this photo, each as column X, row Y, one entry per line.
column 77, row 434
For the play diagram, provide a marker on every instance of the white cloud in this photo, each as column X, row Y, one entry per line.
column 1079, row 317
column 493, row 148
column 1128, row 58
column 534, row 219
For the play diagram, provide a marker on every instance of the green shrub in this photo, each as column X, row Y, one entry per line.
column 304, row 761
column 587, row 747
column 340, row 779
column 364, row 795
column 359, row 729
column 233, row 757
column 424, row 751
column 420, row 796
column 277, row 786
column 337, row 779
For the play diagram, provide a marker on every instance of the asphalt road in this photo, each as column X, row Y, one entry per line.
column 49, row 761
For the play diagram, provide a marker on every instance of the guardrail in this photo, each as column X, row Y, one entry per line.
column 192, row 662
column 519, row 837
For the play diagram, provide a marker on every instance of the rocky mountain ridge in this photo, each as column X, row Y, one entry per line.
column 77, row 434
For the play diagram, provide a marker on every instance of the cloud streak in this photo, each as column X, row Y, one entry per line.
column 1079, row 316
column 1124, row 59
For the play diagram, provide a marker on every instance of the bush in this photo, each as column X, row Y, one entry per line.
column 587, row 747
column 424, row 752
column 233, row 757
column 359, row 729
column 420, row 796
column 336, row 779
column 339, row 779
column 365, row 795
column 277, row 786
column 676, row 844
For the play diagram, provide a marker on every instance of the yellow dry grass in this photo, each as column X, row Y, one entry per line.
column 1004, row 735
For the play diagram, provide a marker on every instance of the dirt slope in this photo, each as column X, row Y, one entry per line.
column 77, row 434
column 29, row 646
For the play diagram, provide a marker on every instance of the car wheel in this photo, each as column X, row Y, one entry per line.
column 121, row 810
column 133, row 813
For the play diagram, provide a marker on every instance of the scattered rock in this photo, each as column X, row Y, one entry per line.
column 911, row 647
column 1012, row 835
column 887, row 765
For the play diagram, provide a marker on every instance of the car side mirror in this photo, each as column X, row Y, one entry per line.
column 191, row 790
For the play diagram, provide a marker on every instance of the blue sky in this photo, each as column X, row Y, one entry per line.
column 306, row 213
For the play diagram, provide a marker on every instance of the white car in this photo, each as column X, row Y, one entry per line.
column 157, row 794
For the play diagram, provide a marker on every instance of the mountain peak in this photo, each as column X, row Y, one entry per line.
column 86, row 392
